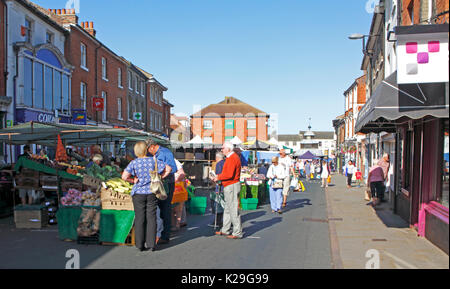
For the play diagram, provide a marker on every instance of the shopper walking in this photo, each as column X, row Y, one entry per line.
column 351, row 169
column 230, row 178
column 325, row 172
column 166, row 156
column 384, row 163
column 276, row 175
column 286, row 162
column 308, row 170
column 375, row 181
column 144, row 201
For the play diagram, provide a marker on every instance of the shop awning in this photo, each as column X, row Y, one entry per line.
column 77, row 135
column 391, row 103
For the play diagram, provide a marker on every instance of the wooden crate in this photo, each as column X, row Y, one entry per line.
column 27, row 182
column 112, row 200
column 30, row 218
column 91, row 181
column 49, row 181
column 65, row 186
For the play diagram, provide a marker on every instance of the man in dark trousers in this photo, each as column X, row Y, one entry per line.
column 166, row 156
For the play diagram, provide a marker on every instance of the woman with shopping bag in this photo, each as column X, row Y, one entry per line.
column 276, row 175
column 325, row 174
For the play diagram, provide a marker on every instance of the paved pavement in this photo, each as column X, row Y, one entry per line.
column 321, row 228
column 364, row 228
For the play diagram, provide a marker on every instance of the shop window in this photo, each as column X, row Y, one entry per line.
column 57, row 90
column 66, row 94
column 38, row 85
column 48, row 99
column 443, row 195
column 405, row 153
column 28, row 81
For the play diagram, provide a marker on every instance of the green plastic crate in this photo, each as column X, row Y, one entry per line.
column 197, row 205
column 249, row 204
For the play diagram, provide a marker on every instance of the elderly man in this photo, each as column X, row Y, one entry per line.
column 384, row 163
column 286, row 162
column 230, row 178
column 166, row 156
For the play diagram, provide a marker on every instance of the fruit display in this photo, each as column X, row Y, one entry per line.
column 119, row 185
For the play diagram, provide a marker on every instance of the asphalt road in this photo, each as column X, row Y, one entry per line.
column 271, row 241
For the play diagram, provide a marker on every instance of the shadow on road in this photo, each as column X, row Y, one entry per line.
column 296, row 204
column 261, row 225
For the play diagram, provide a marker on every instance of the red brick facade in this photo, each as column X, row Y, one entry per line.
column 411, row 11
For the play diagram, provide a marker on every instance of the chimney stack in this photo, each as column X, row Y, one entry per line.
column 65, row 16
column 89, row 27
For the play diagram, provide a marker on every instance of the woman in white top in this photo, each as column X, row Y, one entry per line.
column 351, row 169
column 324, row 173
column 276, row 174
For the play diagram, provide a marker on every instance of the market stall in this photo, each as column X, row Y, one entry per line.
column 91, row 204
column 253, row 189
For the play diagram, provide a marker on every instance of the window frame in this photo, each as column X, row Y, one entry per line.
column 208, row 121
column 83, row 51
column 251, row 121
column 104, row 69
column 83, row 90
column 119, row 108
column 104, row 111
column 119, row 78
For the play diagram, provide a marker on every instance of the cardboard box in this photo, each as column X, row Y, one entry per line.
column 30, row 217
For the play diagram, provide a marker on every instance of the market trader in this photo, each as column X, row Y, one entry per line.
column 230, row 177
column 166, row 156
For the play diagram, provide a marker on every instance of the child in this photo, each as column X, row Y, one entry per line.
column 358, row 176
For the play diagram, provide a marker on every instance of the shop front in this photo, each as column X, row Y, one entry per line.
column 413, row 102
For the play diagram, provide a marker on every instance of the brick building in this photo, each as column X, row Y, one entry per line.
column 98, row 72
column 231, row 117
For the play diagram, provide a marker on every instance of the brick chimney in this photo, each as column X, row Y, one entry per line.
column 89, row 27
column 65, row 16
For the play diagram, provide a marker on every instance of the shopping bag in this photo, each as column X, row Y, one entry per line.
column 367, row 194
column 303, row 187
column 294, row 183
column 312, row 176
column 180, row 193
column 329, row 179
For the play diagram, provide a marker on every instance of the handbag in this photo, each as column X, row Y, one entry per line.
column 157, row 186
column 329, row 179
column 277, row 184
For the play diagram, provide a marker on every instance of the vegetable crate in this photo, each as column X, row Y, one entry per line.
column 112, row 200
column 91, row 181
column 197, row 206
column 249, row 204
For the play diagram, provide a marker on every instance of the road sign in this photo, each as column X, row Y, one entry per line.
column 137, row 116
column 98, row 103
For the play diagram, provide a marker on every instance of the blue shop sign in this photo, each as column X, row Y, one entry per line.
column 79, row 117
column 27, row 115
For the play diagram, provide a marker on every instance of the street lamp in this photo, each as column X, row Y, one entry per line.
column 356, row 36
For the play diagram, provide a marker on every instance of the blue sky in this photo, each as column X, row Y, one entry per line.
column 290, row 57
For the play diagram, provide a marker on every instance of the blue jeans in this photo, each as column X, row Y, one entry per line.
column 276, row 198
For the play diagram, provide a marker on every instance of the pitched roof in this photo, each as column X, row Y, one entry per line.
column 229, row 105
column 289, row 137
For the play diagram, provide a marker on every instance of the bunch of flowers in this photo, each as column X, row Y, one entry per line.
column 72, row 198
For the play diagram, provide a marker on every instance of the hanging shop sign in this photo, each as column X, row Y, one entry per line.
column 98, row 104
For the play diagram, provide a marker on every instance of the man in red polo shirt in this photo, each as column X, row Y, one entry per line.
column 230, row 178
